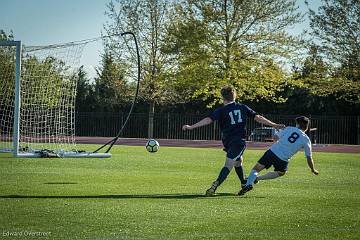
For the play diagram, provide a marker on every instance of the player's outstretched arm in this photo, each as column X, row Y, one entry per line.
column 264, row 120
column 310, row 162
column 203, row 122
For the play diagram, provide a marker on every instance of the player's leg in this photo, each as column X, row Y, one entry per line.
column 240, row 171
column 251, row 179
column 280, row 168
column 264, row 162
column 234, row 151
column 254, row 173
column 224, row 172
column 271, row 175
column 238, row 148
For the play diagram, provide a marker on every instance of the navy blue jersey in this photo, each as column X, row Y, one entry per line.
column 232, row 119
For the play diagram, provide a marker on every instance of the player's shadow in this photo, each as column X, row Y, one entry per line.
column 122, row 196
column 60, row 183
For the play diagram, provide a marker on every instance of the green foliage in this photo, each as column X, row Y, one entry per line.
column 191, row 59
column 232, row 42
column 313, row 73
column 138, row 195
column 146, row 19
column 46, row 82
column 111, row 88
column 5, row 36
column 43, row 79
column 85, row 93
column 336, row 27
column 190, row 49
column 7, row 70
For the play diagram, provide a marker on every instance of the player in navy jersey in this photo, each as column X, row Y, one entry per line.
column 232, row 120
column 289, row 141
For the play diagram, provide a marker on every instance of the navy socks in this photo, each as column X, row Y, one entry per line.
column 223, row 174
column 240, row 173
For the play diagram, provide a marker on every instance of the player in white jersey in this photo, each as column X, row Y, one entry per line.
column 289, row 141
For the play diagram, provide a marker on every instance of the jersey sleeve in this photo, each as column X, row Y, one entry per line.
column 215, row 115
column 249, row 112
column 307, row 148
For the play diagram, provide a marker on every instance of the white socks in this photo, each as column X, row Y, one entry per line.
column 252, row 177
column 269, row 175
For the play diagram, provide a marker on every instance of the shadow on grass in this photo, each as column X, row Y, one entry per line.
column 125, row 196
column 60, row 183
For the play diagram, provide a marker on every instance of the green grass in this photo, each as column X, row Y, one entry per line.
column 138, row 195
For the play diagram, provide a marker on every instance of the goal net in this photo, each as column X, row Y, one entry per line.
column 37, row 100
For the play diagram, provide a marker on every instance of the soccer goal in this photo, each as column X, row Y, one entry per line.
column 37, row 100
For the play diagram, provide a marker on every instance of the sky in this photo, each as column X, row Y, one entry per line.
column 42, row 22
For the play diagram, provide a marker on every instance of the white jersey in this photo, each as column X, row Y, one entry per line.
column 291, row 140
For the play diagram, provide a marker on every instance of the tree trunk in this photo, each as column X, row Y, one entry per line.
column 151, row 120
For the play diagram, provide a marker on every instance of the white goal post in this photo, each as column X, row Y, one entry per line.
column 37, row 100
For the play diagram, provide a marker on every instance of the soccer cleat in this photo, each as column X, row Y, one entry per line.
column 212, row 189
column 245, row 190
column 243, row 183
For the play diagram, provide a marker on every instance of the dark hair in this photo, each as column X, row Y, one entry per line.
column 228, row 93
column 303, row 122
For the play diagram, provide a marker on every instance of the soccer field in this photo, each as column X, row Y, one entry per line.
column 138, row 195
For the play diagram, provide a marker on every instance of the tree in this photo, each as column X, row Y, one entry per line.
column 146, row 19
column 7, row 69
column 302, row 95
column 111, row 88
column 85, row 93
column 336, row 27
column 314, row 71
column 233, row 42
column 36, row 72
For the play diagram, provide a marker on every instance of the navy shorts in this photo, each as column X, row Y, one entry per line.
column 234, row 148
column 270, row 159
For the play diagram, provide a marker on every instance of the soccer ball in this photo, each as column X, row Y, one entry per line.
column 152, row 146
